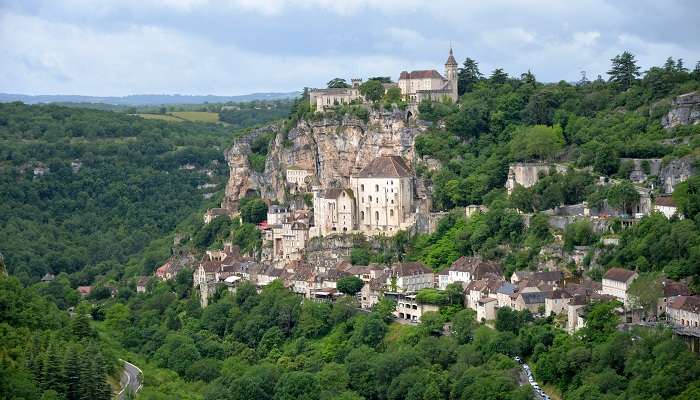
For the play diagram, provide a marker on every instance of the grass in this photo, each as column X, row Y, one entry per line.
column 163, row 117
column 197, row 116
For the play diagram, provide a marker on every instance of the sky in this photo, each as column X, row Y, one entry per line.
column 232, row 47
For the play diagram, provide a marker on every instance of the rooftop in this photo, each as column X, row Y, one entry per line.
column 386, row 167
column 421, row 74
column 619, row 274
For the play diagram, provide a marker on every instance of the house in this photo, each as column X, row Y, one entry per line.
column 214, row 213
column 531, row 301
column 384, row 196
column 505, row 294
column 417, row 86
column 574, row 312
column 277, row 215
column 684, row 311
column 407, row 308
column 616, row 282
column 371, row 293
column 486, row 309
column 410, row 277
column 671, row 290
column 549, row 278
column 478, row 289
column 288, row 240
column 141, row 284
column 666, row 206
column 168, row 270
column 85, row 290
column 48, row 277
column 555, row 302
column 467, row 269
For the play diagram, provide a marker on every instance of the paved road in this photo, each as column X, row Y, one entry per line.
column 130, row 380
column 522, row 379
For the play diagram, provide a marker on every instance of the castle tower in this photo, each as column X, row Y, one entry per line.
column 451, row 75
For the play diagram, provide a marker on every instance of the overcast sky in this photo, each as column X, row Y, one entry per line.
column 229, row 47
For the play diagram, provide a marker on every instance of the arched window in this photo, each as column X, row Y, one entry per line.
column 370, row 199
column 362, row 215
column 391, row 212
column 376, row 216
column 362, row 188
column 376, row 188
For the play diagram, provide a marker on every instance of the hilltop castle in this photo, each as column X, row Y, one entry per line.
column 415, row 86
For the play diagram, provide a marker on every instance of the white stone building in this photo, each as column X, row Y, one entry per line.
column 288, row 240
column 334, row 211
column 616, row 282
column 666, row 206
column 384, row 194
column 407, row 308
column 297, row 177
column 410, row 277
column 420, row 85
column 323, row 99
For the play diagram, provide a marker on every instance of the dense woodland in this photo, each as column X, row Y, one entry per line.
column 115, row 217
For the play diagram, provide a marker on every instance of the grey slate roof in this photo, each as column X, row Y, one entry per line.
column 386, row 167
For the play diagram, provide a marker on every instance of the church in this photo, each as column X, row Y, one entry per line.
column 380, row 200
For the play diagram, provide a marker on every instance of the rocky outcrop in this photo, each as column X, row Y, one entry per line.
column 685, row 110
column 331, row 148
column 677, row 171
column 243, row 180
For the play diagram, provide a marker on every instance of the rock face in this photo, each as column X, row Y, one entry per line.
column 243, row 180
column 527, row 174
column 685, row 109
column 676, row 172
column 330, row 148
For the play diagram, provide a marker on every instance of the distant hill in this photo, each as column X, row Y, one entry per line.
column 143, row 99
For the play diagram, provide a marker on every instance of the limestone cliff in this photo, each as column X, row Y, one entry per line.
column 685, row 109
column 331, row 148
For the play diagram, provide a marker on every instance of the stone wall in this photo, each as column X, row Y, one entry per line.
column 677, row 171
column 527, row 174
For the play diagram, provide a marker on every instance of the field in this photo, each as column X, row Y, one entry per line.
column 197, row 116
column 179, row 116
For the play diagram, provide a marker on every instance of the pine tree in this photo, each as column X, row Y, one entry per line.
column 498, row 76
column 71, row 368
column 696, row 71
column 670, row 65
column 52, row 369
column 680, row 67
column 468, row 76
column 102, row 389
column 528, row 77
column 624, row 71
column 88, row 377
column 80, row 326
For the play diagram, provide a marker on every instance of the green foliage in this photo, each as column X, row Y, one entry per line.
column 372, row 90
column 537, row 142
column 624, row 71
column 350, row 285
column 579, row 233
column 338, row 83
column 253, row 210
column 243, row 115
column 432, row 296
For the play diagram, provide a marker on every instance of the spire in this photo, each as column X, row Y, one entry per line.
column 451, row 60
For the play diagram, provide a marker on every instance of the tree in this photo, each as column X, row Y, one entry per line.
column 253, row 210
column 297, row 385
column 468, row 76
column 350, row 285
column 645, row 292
column 508, row 320
column 498, row 76
column 537, row 142
column 624, row 71
column 601, row 321
column 380, row 79
column 373, row 90
column 463, row 324
column 623, row 196
column 338, row 83
column 431, row 323
column 392, row 96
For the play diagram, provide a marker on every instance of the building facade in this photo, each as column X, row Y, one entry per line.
column 417, row 86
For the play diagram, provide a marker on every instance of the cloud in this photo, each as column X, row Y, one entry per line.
column 238, row 46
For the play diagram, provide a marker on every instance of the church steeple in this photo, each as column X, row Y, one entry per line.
column 450, row 60
column 452, row 75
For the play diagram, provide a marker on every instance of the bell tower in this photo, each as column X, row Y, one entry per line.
column 451, row 75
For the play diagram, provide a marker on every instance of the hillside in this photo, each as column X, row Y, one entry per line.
column 142, row 99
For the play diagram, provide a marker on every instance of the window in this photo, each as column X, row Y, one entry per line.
column 376, row 216
column 391, row 213
column 362, row 215
column 370, row 199
column 376, row 188
column 362, row 188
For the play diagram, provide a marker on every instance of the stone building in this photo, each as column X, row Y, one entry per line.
column 288, row 240
column 334, row 211
column 328, row 98
column 420, row 85
column 410, row 277
column 616, row 282
column 384, row 194
column 297, row 178
column 407, row 308
column 684, row 311
column 467, row 269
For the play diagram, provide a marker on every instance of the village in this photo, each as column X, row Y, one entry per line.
column 384, row 198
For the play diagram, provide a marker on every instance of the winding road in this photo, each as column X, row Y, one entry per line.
column 130, row 380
